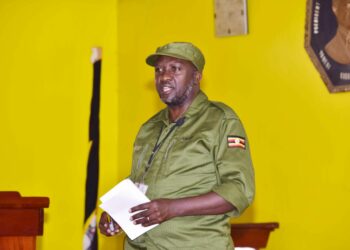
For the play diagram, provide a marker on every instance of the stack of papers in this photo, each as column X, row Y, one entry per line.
column 117, row 203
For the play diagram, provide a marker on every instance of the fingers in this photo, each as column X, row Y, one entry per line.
column 146, row 214
column 108, row 226
column 147, row 221
column 141, row 215
column 140, row 207
column 149, row 213
column 144, row 218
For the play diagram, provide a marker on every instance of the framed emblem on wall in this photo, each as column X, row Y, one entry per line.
column 327, row 41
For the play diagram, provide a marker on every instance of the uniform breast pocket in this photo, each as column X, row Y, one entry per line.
column 188, row 156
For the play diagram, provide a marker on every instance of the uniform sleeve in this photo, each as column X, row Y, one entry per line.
column 234, row 166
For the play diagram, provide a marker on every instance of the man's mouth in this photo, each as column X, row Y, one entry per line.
column 166, row 90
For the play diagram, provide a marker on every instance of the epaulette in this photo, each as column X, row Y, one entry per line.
column 227, row 111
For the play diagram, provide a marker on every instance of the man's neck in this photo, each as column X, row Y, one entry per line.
column 176, row 113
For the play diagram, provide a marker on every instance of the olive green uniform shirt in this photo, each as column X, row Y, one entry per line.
column 193, row 159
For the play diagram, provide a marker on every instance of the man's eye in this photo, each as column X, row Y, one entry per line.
column 175, row 69
column 158, row 70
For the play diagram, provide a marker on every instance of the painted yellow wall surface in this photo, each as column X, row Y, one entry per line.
column 46, row 87
column 298, row 131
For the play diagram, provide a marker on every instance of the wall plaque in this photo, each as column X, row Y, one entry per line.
column 327, row 41
column 230, row 17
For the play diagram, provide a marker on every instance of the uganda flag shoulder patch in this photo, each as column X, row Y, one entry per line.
column 235, row 142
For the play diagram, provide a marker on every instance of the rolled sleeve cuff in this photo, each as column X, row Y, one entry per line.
column 233, row 194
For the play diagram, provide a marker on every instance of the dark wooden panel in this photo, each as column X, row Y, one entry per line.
column 253, row 235
column 14, row 200
column 27, row 221
column 21, row 216
column 17, row 243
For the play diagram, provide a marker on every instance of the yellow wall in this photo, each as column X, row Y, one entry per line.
column 299, row 132
column 46, row 84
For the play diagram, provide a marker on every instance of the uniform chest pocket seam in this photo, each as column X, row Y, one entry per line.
column 171, row 144
column 140, row 159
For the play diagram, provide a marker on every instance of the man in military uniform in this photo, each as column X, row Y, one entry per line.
column 192, row 160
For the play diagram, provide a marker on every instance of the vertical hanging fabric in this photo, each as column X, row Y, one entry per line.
column 91, row 185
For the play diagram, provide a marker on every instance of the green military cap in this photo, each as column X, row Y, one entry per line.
column 181, row 50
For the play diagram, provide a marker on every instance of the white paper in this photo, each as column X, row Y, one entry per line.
column 117, row 203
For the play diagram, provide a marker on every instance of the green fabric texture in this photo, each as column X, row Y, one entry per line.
column 194, row 159
column 181, row 50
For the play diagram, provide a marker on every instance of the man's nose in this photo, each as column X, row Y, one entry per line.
column 166, row 75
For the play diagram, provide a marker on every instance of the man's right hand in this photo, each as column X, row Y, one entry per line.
column 108, row 226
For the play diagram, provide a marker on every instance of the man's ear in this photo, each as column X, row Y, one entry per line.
column 198, row 76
